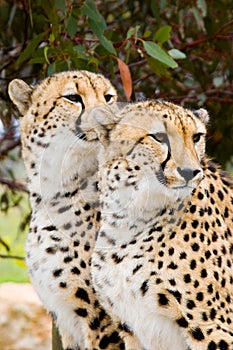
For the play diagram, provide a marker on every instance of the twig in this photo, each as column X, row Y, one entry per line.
column 5, row 245
column 10, row 145
column 7, row 256
column 13, row 184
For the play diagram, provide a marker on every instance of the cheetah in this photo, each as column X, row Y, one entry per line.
column 61, row 170
column 162, row 262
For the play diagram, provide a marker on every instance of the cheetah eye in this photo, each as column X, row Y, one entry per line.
column 160, row 137
column 76, row 98
column 197, row 137
column 108, row 98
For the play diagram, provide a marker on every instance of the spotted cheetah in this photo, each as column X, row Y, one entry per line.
column 162, row 262
column 61, row 171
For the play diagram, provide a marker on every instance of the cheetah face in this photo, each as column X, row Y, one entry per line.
column 57, row 100
column 156, row 148
column 49, row 111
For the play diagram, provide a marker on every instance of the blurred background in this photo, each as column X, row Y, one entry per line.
column 180, row 51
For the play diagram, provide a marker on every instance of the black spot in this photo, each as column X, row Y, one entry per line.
column 197, row 334
column 160, row 264
column 144, row 287
column 75, row 271
column 64, row 209
column 220, row 195
column 207, row 254
column 172, row 266
column 176, row 294
column 183, row 226
column 194, row 223
column 76, row 243
column 57, row 273
column 83, row 264
column 137, row 268
column 204, row 317
column 200, row 195
column 213, row 313
column 62, row 284
column 67, row 226
column 187, row 278
column 195, row 247
column 87, row 207
column 182, row 322
column 162, row 299
column 125, row 327
column 199, row 296
column 94, row 324
column 51, row 250
column 106, row 340
column 192, row 209
column 203, row 273
column 212, row 345
column 116, row 258
column 190, row 304
column 68, row 259
column 183, row 255
column 81, row 312
column 87, row 246
column 171, row 251
column 82, row 294
column 49, row 228
column 172, row 282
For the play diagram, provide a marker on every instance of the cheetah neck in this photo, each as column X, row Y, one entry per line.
column 55, row 168
column 122, row 227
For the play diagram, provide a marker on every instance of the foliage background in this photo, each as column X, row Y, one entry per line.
column 175, row 50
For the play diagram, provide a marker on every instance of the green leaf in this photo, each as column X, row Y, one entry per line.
column 37, row 60
column 163, row 34
column 163, row 4
column 51, row 68
column 46, row 48
column 154, row 50
column 30, row 48
column 157, row 67
column 90, row 10
column 201, row 4
column 61, row 4
column 132, row 32
column 72, row 26
column 107, row 44
column 177, row 54
column 97, row 24
column 52, row 14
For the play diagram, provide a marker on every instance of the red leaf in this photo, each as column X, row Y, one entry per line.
column 125, row 78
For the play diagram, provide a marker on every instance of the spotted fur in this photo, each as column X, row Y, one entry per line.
column 62, row 180
column 162, row 263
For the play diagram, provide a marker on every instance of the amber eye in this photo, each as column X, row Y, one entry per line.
column 197, row 137
column 108, row 98
column 160, row 137
column 76, row 98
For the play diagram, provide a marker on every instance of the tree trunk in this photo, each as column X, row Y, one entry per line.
column 56, row 339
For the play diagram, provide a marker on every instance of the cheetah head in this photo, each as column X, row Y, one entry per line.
column 49, row 112
column 153, row 154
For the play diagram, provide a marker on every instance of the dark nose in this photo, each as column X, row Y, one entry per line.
column 188, row 173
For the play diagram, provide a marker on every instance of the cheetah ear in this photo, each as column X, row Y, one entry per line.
column 202, row 114
column 20, row 94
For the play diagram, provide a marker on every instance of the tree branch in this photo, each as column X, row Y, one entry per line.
column 13, row 184
column 7, row 256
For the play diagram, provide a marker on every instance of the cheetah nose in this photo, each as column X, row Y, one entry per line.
column 188, row 173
